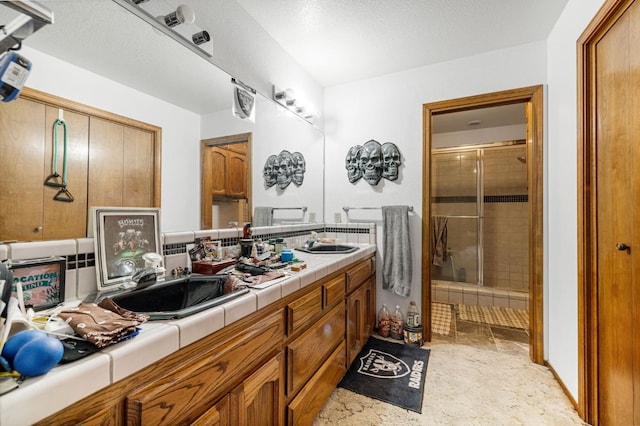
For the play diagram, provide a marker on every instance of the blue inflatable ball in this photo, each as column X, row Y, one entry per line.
column 38, row 356
column 18, row 340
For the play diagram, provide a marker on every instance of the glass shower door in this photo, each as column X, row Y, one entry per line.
column 456, row 195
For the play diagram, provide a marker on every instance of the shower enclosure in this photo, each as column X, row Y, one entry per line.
column 481, row 190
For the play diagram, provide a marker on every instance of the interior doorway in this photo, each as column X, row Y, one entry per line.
column 225, row 181
column 532, row 97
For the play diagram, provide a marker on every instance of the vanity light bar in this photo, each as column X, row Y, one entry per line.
column 287, row 99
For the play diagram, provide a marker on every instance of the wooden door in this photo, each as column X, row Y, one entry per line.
column 106, row 165
column 617, row 79
column 22, row 132
column 62, row 219
column 138, row 173
column 259, row 400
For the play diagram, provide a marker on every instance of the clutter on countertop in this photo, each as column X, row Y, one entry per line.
column 103, row 324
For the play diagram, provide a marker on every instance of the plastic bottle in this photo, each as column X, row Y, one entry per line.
column 384, row 321
column 413, row 318
column 397, row 324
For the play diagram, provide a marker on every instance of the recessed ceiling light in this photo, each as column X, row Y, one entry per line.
column 473, row 122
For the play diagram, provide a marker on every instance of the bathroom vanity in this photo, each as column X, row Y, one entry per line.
column 276, row 365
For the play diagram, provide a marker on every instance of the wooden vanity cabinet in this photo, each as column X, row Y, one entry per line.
column 278, row 365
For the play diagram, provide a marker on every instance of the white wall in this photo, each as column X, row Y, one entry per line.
column 180, row 129
column 277, row 129
column 561, row 152
column 389, row 109
column 246, row 51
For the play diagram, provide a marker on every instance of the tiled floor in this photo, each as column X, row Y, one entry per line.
column 478, row 374
column 486, row 336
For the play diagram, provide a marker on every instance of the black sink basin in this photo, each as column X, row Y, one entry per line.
column 329, row 248
column 178, row 298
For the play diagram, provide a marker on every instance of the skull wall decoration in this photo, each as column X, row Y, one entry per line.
column 299, row 168
column 371, row 162
column 285, row 169
column 270, row 171
column 352, row 164
column 390, row 160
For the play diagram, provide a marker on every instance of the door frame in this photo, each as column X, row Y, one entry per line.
column 533, row 96
column 588, row 386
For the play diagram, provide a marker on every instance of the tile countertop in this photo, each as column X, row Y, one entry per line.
column 39, row 397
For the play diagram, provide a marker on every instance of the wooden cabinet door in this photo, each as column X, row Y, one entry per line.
column 360, row 318
column 218, row 415
column 259, row 400
column 217, row 165
column 236, row 175
column 22, row 132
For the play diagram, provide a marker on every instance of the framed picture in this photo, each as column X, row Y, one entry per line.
column 122, row 236
column 41, row 281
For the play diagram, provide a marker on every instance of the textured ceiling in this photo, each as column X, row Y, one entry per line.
column 338, row 41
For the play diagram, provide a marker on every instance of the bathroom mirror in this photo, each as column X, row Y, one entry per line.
column 102, row 37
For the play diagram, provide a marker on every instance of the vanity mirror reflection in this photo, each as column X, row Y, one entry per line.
column 99, row 54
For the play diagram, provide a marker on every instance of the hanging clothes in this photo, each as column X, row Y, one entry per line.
column 439, row 239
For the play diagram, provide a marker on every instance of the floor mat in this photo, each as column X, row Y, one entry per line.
column 390, row 372
column 440, row 318
column 506, row 317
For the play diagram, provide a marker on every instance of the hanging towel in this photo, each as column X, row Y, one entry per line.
column 439, row 239
column 397, row 268
column 262, row 216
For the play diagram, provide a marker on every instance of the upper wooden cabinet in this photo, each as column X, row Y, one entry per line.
column 227, row 172
column 111, row 161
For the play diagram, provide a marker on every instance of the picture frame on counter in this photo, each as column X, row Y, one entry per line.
column 39, row 282
column 122, row 236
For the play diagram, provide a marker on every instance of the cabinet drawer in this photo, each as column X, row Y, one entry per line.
column 304, row 311
column 333, row 292
column 306, row 353
column 307, row 404
column 179, row 396
column 359, row 274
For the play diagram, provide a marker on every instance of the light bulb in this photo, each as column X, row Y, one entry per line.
column 182, row 15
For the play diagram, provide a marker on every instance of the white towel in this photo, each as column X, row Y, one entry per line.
column 397, row 265
column 262, row 216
